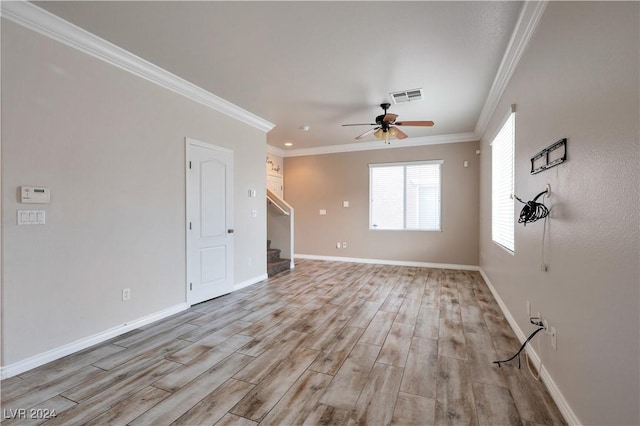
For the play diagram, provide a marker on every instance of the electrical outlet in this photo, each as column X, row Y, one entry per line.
column 344, row 245
column 554, row 338
column 126, row 293
column 537, row 320
column 545, row 324
column 338, row 245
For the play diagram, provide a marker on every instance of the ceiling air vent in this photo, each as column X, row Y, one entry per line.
column 412, row 95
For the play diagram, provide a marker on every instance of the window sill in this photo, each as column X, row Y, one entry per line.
column 405, row 230
column 511, row 252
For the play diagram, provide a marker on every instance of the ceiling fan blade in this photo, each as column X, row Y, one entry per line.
column 400, row 134
column 360, row 124
column 367, row 133
column 390, row 118
column 415, row 123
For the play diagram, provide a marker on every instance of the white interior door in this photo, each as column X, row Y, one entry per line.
column 209, row 221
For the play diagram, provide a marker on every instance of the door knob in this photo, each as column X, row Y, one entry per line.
column 230, row 231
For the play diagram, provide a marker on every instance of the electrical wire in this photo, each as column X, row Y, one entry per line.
column 543, row 265
column 532, row 210
column 520, row 350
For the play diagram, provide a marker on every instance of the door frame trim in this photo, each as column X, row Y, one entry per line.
column 187, row 143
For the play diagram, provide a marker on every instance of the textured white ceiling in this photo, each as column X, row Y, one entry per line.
column 320, row 64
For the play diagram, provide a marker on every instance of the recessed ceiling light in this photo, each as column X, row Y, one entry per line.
column 288, row 144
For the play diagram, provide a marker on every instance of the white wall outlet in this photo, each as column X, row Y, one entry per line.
column 126, row 293
column 345, row 204
column 254, row 213
column 338, row 245
column 554, row 338
column 323, row 212
column 344, row 245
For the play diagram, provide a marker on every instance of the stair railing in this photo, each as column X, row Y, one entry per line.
column 277, row 206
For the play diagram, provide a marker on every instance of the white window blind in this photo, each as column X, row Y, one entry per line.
column 405, row 196
column 502, row 185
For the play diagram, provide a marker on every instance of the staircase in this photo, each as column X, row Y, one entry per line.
column 274, row 263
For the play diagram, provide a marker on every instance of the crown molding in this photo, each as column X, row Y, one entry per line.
column 525, row 28
column 43, row 22
column 368, row 146
column 276, row 151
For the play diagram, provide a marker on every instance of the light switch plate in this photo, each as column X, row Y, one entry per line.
column 31, row 217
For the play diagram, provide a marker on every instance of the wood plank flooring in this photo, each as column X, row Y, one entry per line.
column 328, row 343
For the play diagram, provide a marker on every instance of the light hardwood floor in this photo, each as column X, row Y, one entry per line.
column 327, row 343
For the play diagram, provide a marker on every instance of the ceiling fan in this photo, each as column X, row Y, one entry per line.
column 386, row 125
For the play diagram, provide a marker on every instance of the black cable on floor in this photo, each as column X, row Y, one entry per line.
column 521, row 348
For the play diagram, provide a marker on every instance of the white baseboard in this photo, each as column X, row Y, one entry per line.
column 251, row 281
column 557, row 396
column 389, row 262
column 62, row 351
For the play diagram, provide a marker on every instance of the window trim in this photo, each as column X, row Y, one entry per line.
column 510, row 115
column 404, row 164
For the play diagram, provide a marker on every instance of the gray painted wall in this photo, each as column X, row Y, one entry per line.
column 325, row 181
column 579, row 79
column 111, row 148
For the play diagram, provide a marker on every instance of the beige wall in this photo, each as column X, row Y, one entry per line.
column 111, row 148
column 325, row 181
column 276, row 166
column 579, row 79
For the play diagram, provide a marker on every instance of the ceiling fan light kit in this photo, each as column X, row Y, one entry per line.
column 386, row 125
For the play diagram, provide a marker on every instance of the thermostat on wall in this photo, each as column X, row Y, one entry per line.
column 34, row 195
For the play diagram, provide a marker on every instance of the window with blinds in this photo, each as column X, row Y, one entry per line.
column 405, row 196
column 502, row 185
